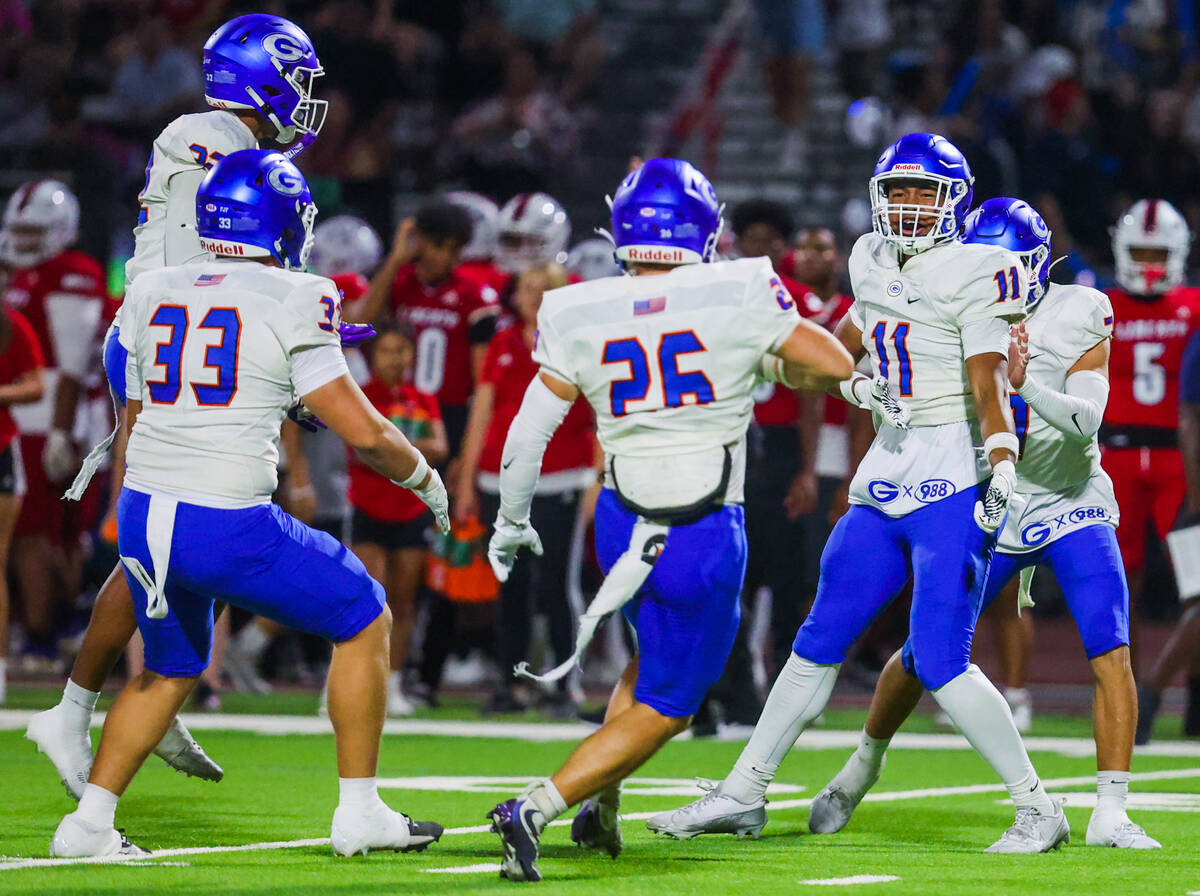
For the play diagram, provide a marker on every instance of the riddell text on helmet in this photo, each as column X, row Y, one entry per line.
column 666, row 254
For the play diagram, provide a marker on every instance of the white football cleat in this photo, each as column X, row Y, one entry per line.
column 1033, row 832
column 397, row 704
column 179, row 750
column 76, row 837
column 356, row 833
column 1117, row 830
column 833, row 806
column 713, row 813
column 70, row 750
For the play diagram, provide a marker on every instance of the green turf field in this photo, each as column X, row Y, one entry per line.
column 921, row 827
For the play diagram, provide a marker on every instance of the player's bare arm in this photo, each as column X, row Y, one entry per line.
column 988, row 374
column 29, row 388
column 814, row 358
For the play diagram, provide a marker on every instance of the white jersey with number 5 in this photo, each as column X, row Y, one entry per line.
column 218, row 351
column 187, row 148
column 1061, row 485
column 668, row 361
column 920, row 323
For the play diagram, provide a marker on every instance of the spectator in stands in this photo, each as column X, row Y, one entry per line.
column 536, row 584
column 21, row 382
column 451, row 317
column 388, row 523
column 794, row 32
column 563, row 35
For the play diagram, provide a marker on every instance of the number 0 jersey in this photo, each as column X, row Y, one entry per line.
column 918, row 323
column 218, row 351
column 190, row 143
column 668, row 361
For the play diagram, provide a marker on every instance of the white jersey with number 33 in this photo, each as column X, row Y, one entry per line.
column 187, row 148
column 668, row 361
column 920, row 323
column 218, row 351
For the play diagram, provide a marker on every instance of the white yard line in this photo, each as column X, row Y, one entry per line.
column 10, row 864
column 813, row 739
column 850, row 881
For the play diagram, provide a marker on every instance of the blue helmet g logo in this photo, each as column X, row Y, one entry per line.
column 882, row 490
column 283, row 47
column 285, row 182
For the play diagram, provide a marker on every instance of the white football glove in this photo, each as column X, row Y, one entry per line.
column 435, row 498
column 991, row 510
column 58, row 457
column 509, row 538
column 887, row 404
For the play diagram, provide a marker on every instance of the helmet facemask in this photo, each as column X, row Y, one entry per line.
column 905, row 234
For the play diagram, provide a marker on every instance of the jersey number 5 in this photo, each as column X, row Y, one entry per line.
column 221, row 357
column 676, row 386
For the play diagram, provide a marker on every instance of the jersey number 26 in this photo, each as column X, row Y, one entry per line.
column 676, row 386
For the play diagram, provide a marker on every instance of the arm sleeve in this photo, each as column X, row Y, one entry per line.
column 1077, row 412
column 540, row 415
column 1189, row 374
column 74, row 320
column 181, row 245
column 548, row 351
column 987, row 335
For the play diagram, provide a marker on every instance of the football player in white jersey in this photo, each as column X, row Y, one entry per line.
column 667, row 360
column 258, row 76
column 1064, row 517
column 933, row 314
column 217, row 352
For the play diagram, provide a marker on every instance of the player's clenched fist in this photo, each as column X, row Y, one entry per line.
column 509, row 538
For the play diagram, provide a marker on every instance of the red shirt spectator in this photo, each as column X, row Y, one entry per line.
column 20, row 356
column 414, row 413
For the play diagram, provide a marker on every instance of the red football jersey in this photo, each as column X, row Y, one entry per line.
column 63, row 299
column 1147, row 354
column 20, row 356
column 441, row 317
column 774, row 403
column 484, row 274
column 413, row 413
column 510, row 368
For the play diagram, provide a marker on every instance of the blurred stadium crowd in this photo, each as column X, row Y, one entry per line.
column 451, row 128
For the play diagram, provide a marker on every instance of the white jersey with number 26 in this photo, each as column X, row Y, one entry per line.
column 668, row 361
column 218, row 351
column 920, row 323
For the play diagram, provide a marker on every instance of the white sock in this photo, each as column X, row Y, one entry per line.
column 358, row 793
column 547, row 800
column 97, row 806
column 610, row 796
column 77, row 704
column 252, row 640
column 982, row 715
column 797, row 697
column 3, row 679
column 393, row 684
column 1111, row 790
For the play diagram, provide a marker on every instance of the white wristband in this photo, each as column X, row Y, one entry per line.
column 847, row 389
column 418, row 475
column 1001, row 440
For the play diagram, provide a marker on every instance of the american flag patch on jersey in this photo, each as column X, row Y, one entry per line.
column 650, row 306
column 209, row 279
column 1108, row 321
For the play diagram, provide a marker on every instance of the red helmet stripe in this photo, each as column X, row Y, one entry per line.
column 1151, row 215
column 522, row 204
column 27, row 192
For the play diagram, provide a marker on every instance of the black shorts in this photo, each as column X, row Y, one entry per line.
column 12, row 471
column 391, row 536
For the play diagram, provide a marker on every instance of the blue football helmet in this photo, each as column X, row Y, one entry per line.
column 665, row 212
column 254, row 203
column 1015, row 225
column 268, row 64
column 921, row 157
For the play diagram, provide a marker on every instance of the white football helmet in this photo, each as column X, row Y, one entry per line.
column 40, row 220
column 532, row 229
column 345, row 243
column 592, row 259
column 1151, row 224
column 484, row 213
